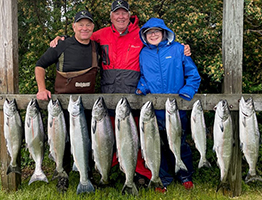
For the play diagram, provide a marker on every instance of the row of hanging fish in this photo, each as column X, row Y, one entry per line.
column 223, row 138
column 126, row 138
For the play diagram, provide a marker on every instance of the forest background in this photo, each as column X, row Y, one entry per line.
column 197, row 23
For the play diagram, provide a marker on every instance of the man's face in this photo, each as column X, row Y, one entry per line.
column 120, row 18
column 83, row 30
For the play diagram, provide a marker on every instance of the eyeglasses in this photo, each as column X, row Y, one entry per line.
column 156, row 32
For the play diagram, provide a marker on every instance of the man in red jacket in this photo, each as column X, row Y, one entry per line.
column 121, row 45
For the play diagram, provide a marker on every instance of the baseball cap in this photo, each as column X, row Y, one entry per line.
column 84, row 14
column 119, row 4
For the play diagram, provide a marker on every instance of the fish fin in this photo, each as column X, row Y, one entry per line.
column 87, row 188
column 250, row 178
column 74, row 168
column 142, row 127
column 244, row 122
column 16, row 169
column 38, row 177
column 203, row 163
column 180, row 166
column 28, row 122
column 156, row 184
column 241, row 146
column 130, row 190
column 194, row 119
column 169, row 119
column 94, row 127
column 118, row 124
column 103, row 183
column 7, row 121
column 51, row 157
column 58, row 175
column 51, row 124
column 221, row 127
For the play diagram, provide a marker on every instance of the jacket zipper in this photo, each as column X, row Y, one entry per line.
column 127, row 55
column 160, row 69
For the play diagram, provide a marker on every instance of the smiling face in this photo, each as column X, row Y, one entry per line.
column 120, row 19
column 154, row 36
column 83, row 30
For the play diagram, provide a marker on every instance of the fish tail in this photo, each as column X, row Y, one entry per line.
column 38, row 177
column 74, row 168
column 13, row 169
column 203, row 163
column 180, row 166
column 155, row 184
column 85, row 188
column 250, row 178
column 103, row 182
column 59, row 174
column 130, row 190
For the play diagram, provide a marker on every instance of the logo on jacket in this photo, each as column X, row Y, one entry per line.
column 168, row 57
column 82, row 84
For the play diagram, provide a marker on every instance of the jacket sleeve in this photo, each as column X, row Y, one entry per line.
column 142, row 83
column 192, row 79
column 48, row 58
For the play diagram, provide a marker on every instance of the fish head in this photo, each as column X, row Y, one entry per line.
column 54, row 107
column 197, row 106
column 147, row 111
column 171, row 106
column 123, row 108
column 246, row 106
column 75, row 107
column 222, row 109
column 99, row 110
column 10, row 107
column 32, row 108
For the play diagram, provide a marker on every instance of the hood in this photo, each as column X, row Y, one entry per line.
column 156, row 22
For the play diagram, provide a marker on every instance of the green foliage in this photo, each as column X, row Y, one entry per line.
column 252, row 70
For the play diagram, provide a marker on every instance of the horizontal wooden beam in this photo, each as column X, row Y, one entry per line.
column 136, row 101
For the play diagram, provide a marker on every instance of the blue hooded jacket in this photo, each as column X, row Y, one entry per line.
column 165, row 68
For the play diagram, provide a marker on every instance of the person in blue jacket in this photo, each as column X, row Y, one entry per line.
column 165, row 69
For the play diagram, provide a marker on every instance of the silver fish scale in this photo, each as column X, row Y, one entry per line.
column 80, row 143
column 127, row 143
column 150, row 142
column 249, row 135
column 34, row 137
column 13, row 132
column 56, row 133
column 103, row 139
column 198, row 130
column 223, row 138
column 174, row 132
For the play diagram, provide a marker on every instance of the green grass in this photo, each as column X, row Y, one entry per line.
column 202, row 190
column 205, row 183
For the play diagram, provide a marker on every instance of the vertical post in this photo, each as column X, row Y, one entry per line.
column 232, row 49
column 8, row 79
